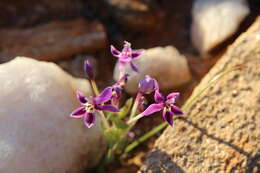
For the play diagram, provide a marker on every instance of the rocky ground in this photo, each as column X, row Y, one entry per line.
column 186, row 38
column 220, row 132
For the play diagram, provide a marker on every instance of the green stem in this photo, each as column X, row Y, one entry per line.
column 211, row 81
column 134, row 108
column 145, row 137
column 134, row 119
column 104, row 120
column 133, row 111
column 161, row 126
column 94, row 87
column 131, row 121
column 96, row 92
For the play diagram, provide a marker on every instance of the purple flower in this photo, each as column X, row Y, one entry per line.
column 165, row 104
column 126, row 56
column 88, row 70
column 117, row 89
column 90, row 105
column 147, row 85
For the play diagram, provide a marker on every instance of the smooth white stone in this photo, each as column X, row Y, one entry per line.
column 215, row 20
column 36, row 133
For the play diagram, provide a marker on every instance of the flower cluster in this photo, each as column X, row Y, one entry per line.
column 90, row 105
column 109, row 98
column 147, row 86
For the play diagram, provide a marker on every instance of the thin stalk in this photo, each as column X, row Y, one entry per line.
column 145, row 137
column 133, row 111
column 94, row 87
column 104, row 120
column 211, row 81
column 109, row 115
column 134, row 108
column 161, row 126
column 132, row 123
column 96, row 92
column 134, row 119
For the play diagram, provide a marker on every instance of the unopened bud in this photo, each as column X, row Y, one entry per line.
column 88, row 70
column 147, row 85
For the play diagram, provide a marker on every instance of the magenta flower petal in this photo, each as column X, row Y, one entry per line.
column 82, row 99
column 127, row 47
column 121, row 66
column 171, row 98
column 158, row 97
column 168, row 117
column 156, row 85
column 133, row 67
column 78, row 113
column 104, row 96
column 110, row 108
column 176, row 110
column 125, row 58
column 89, row 119
column 114, row 51
column 118, row 89
column 153, row 108
column 136, row 53
column 147, row 85
column 88, row 70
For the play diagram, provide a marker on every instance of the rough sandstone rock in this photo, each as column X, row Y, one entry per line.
column 161, row 63
column 221, row 130
column 53, row 41
column 36, row 133
column 215, row 20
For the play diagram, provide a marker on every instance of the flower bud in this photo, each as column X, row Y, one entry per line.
column 116, row 94
column 88, row 70
column 123, row 79
column 147, row 85
column 142, row 104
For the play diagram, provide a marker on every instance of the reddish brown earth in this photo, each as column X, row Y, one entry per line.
column 53, row 41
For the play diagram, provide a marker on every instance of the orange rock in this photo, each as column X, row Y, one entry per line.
column 229, row 122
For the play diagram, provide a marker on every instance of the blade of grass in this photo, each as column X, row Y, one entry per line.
column 161, row 126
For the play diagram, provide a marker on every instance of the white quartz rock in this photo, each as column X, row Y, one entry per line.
column 214, row 21
column 36, row 133
column 165, row 64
